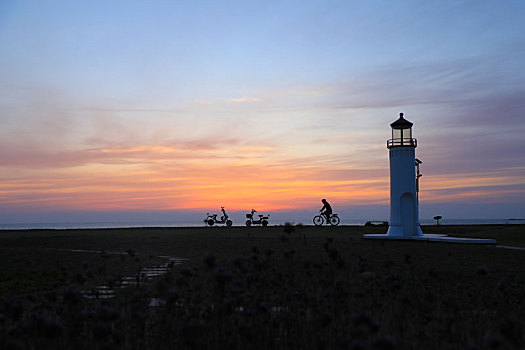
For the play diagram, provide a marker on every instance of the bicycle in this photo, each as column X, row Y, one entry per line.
column 320, row 220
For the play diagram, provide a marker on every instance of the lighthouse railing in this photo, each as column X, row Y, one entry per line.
column 401, row 142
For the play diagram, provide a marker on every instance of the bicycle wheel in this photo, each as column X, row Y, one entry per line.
column 318, row 220
column 334, row 220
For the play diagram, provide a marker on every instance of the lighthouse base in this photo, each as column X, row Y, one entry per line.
column 397, row 231
column 433, row 238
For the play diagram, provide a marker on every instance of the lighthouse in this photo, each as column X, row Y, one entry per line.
column 404, row 191
column 404, row 182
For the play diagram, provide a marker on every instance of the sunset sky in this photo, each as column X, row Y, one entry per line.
column 143, row 107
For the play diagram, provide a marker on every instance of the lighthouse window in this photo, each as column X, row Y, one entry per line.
column 396, row 134
column 407, row 133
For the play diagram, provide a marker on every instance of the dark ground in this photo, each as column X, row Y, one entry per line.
column 299, row 287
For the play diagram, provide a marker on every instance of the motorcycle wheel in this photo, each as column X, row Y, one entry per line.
column 264, row 223
column 229, row 223
column 334, row 220
column 210, row 222
column 318, row 220
column 248, row 223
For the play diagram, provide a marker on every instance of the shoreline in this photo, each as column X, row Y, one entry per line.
column 237, row 222
column 432, row 227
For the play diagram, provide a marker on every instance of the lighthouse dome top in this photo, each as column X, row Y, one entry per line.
column 401, row 123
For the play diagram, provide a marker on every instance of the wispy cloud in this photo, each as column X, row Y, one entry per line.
column 204, row 102
column 245, row 99
column 40, row 157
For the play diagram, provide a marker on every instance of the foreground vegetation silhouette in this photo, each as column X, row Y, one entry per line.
column 288, row 289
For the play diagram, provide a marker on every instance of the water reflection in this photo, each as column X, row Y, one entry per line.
column 144, row 275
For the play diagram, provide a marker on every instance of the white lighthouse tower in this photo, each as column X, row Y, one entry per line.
column 404, row 190
column 404, row 206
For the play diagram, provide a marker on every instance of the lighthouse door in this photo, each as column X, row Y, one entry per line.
column 408, row 214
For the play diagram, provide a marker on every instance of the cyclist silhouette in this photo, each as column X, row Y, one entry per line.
column 327, row 209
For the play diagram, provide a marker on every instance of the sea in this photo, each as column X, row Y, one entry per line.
column 131, row 224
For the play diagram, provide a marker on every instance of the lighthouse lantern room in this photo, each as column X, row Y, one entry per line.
column 401, row 134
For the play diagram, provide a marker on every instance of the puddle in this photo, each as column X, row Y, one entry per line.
column 145, row 275
column 100, row 251
column 155, row 302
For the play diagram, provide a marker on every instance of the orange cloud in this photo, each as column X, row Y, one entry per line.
column 199, row 174
column 185, row 183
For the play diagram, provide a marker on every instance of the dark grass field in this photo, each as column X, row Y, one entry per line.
column 286, row 287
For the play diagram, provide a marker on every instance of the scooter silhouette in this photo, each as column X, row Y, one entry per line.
column 263, row 220
column 212, row 219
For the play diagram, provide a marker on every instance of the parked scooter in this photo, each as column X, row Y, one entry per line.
column 263, row 220
column 212, row 219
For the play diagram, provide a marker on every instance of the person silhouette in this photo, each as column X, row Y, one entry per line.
column 327, row 210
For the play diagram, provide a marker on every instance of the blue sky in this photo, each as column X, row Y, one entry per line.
column 136, row 106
